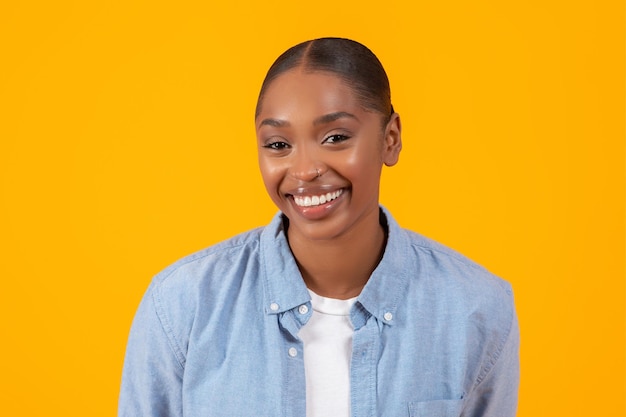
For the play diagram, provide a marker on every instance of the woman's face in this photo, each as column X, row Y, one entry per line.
column 321, row 153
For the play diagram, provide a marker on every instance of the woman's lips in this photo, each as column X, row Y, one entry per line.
column 316, row 200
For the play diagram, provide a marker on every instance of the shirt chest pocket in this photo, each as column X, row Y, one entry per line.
column 439, row 408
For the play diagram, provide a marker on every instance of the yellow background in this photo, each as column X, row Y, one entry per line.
column 127, row 142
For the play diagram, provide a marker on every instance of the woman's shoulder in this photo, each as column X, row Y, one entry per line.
column 454, row 285
column 441, row 252
column 437, row 266
column 200, row 281
column 452, row 272
column 219, row 258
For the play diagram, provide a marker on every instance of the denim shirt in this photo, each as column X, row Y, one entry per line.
column 216, row 334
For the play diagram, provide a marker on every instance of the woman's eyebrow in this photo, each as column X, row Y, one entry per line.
column 274, row 123
column 331, row 117
column 327, row 118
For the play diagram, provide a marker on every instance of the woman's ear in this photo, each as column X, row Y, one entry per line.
column 393, row 141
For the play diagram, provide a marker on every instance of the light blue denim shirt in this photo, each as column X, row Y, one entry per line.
column 216, row 334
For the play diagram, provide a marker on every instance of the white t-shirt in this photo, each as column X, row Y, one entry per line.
column 327, row 339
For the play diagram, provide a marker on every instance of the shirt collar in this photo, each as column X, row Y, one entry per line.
column 387, row 284
column 285, row 289
column 283, row 283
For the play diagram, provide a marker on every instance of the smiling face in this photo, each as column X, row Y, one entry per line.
column 321, row 154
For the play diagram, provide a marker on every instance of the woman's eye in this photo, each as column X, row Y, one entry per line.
column 277, row 146
column 336, row 138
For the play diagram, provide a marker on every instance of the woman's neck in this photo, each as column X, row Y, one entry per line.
column 340, row 267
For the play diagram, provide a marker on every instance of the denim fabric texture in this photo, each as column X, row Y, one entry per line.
column 216, row 334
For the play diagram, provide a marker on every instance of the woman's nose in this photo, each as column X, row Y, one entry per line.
column 305, row 167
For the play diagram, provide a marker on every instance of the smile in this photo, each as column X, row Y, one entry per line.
column 317, row 200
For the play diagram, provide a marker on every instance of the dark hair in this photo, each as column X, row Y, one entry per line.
column 353, row 62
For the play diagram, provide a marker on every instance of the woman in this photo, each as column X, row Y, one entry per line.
column 332, row 309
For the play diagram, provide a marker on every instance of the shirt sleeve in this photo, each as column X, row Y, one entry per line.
column 153, row 366
column 495, row 395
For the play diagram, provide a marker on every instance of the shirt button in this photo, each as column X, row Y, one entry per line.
column 303, row 309
column 293, row 352
column 273, row 306
column 388, row 316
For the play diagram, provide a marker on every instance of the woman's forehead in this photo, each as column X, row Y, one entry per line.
column 302, row 89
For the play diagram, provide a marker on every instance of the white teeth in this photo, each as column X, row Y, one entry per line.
column 316, row 200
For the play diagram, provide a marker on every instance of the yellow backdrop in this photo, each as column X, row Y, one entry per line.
column 127, row 142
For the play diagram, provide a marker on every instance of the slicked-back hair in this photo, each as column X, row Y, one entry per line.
column 351, row 61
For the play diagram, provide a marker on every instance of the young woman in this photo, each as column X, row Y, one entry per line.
column 332, row 309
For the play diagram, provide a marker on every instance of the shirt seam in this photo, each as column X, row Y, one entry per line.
column 451, row 254
column 197, row 257
column 167, row 329
column 160, row 311
column 493, row 358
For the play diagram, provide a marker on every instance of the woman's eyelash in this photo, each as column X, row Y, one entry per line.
column 277, row 146
column 280, row 145
column 336, row 138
